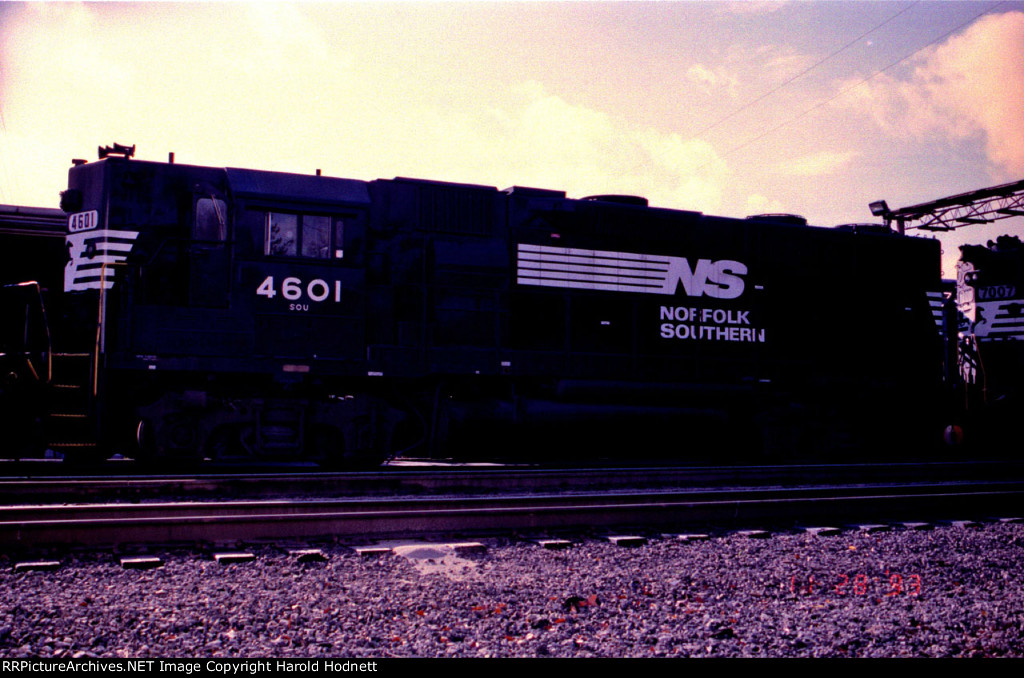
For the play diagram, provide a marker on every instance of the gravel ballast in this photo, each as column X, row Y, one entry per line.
column 947, row 592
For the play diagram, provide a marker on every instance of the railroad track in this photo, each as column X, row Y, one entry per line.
column 396, row 481
column 221, row 523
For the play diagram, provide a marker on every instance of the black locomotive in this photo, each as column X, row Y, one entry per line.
column 212, row 313
column 990, row 298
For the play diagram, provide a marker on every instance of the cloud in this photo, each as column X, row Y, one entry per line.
column 713, row 81
column 752, row 7
column 685, row 174
column 759, row 204
column 778, row 63
column 76, row 76
column 701, row 74
column 817, row 164
column 971, row 86
column 546, row 141
column 293, row 90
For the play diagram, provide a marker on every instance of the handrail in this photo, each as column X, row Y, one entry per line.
column 46, row 328
column 101, row 303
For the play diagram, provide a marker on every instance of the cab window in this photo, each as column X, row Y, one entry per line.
column 311, row 236
column 316, row 237
column 282, row 234
column 211, row 220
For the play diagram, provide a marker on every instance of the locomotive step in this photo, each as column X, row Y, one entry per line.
column 71, row 445
column 70, row 425
column 71, row 381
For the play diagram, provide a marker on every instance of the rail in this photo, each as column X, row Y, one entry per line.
column 24, row 528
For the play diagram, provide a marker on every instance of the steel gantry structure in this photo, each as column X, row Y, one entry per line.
column 982, row 206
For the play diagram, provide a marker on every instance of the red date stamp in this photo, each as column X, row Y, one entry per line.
column 858, row 585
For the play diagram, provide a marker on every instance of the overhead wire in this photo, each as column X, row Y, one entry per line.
column 852, row 87
column 804, row 72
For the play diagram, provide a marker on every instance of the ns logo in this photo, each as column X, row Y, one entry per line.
column 547, row 266
column 717, row 279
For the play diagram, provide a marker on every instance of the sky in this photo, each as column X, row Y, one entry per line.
column 730, row 108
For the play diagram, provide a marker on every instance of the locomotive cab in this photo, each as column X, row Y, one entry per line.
column 219, row 308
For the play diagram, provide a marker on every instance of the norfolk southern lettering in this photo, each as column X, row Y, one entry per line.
column 708, row 324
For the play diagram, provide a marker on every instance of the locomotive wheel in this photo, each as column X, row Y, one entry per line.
column 145, row 439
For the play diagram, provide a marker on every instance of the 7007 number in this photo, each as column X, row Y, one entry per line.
column 293, row 289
